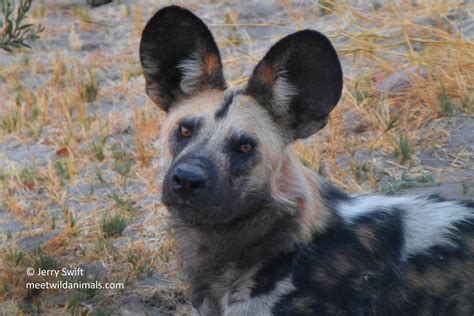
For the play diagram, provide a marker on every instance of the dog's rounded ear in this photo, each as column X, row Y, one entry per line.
column 179, row 56
column 300, row 81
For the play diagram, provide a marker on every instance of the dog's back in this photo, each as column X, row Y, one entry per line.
column 385, row 256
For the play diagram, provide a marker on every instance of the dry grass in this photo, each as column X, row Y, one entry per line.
column 439, row 76
column 77, row 133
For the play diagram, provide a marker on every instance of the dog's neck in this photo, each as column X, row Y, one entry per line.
column 287, row 221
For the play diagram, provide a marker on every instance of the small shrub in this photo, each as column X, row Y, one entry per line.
column 403, row 151
column 79, row 296
column 445, row 103
column 113, row 226
column 326, row 6
column 406, row 181
column 61, row 171
column 143, row 267
column 13, row 32
column 89, row 89
column 122, row 202
column 98, row 150
column 166, row 250
column 27, row 177
column 15, row 256
column 10, row 122
column 43, row 260
column 122, row 162
column 359, row 170
column 99, row 175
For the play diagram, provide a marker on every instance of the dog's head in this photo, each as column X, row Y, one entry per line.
column 223, row 145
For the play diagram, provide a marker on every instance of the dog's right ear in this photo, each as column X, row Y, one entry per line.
column 179, row 57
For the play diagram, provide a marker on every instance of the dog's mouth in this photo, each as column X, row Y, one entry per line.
column 193, row 214
column 212, row 215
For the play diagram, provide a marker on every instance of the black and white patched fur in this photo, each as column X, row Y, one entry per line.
column 258, row 233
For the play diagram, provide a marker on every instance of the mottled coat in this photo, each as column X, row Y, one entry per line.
column 260, row 234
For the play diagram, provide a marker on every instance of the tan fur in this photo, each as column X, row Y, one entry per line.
column 266, row 74
column 435, row 281
column 249, row 224
column 296, row 184
column 241, row 287
column 302, row 305
column 296, row 191
column 245, row 114
column 322, row 276
column 211, row 63
column 317, row 218
column 202, row 104
column 341, row 264
column 153, row 91
column 292, row 186
column 291, row 183
column 366, row 236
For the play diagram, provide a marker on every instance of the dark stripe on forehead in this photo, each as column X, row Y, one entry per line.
column 224, row 109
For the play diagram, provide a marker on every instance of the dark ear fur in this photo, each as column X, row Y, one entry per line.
column 300, row 81
column 179, row 56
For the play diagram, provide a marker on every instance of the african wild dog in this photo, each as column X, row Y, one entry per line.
column 258, row 233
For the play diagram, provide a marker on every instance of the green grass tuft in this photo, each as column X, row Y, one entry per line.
column 406, row 181
column 89, row 89
column 43, row 260
column 113, row 226
column 445, row 103
column 123, row 203
column 142, row 267
column 14, row 256
column 122, row 162
column 61, row 171
column 403, row 151
column 98, row 151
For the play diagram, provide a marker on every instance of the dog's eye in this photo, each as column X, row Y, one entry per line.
column 245, row 147
column 184, row 131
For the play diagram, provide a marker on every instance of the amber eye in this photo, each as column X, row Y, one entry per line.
column 184, row 131
column 245, row 148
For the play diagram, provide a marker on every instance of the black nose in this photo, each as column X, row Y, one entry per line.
column 188, row 180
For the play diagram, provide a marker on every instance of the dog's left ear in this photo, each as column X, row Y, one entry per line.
column 299, row 81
